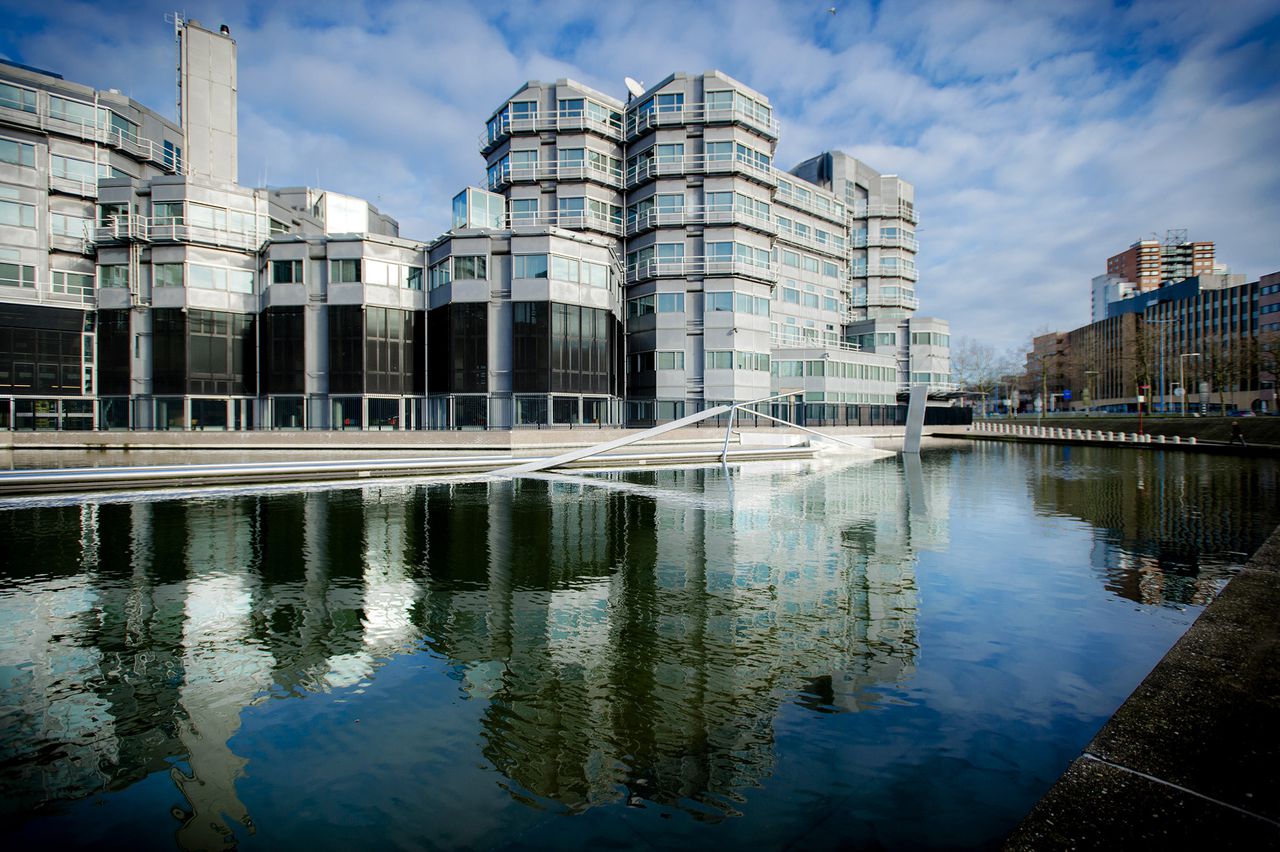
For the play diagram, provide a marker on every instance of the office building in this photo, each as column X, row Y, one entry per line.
column 627, row 263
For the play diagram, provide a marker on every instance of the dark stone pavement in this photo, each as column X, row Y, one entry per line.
column 1192, row 758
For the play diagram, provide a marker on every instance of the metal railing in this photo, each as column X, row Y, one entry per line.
column 556, row 170
column 565, row 122
column 668, row 116
column 883, row 211
column 573, row 221
column 699, row 215
column 164, row 228
column 681, row 267
column 101, row 132
column 884, row 300
column 894, row 242
column 660, row 166
column 835, row 247
column 781, row 341
column 128, row 226
column 934, row 387
column 74, row 186
column 834, row 212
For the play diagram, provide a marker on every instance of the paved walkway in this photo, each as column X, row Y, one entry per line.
column 1192, row 758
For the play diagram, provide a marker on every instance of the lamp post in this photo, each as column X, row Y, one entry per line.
column 1182, row 377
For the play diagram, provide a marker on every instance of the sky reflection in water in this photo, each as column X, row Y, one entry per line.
column 828, row 654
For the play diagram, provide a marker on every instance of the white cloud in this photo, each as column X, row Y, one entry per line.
column 1041, row 138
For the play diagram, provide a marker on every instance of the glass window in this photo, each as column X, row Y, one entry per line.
column 718, row 302
column 720, row 100
column 670, row 153
column 669, row 303
column 670, row 360
column 572, row 107
column 719, row 150
column 17, row 98
column 286, row 272
column 670, row 103
column 530, row 266
column 564, row 269
column 524, row 208
column 344, row 271
column 470, row 268
column 17, row 153
column 595, row 274
column 167, row 274
column 16, row 214
column 114, row 275
column 167, row 212
column 413, row 281
column 721, row 360
column 66, row 225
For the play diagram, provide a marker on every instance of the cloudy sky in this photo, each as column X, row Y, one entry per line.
column 1041, row 137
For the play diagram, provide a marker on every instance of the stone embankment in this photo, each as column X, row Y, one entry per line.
column 1025, row 432
column 1191, row 760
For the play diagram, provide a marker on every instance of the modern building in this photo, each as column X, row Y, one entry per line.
column 1149, row 263
column 1197, row 340
column 629, row 263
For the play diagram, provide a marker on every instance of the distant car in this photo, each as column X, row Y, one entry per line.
column 1239, row 413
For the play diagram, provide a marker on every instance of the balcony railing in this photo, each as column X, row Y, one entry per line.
column 901, row 241
column 683, row 267
column 835, row 247
column 102, row 132
column 834, row 212
column 83, row 187
column 577, row 221
column 884, row 300
column 883, row 211
column 783, row 341
column 555, row 170
column 934, row 387
column 699, row 164
column 573, row 121
column 709, row 215
column 168, row 229
column 639, row 122
column 882, row 271
column 129, row 226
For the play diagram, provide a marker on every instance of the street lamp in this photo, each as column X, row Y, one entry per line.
column 1182, row 377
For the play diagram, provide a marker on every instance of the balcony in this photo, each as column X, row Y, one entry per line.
column 101, row 132
column 684, row 216
column 696, row 164
column 166, row 229
column 83, row 187
column 811, row 341
column 641, row 122
column 577, row 221
column 881, row 271
column 884, row 300
column 130, row 226
column 563, row 122
column 699, row 267
column 883, row 211
column 535, row 172
column 833, row 247
column 901, row 241
column 834, row 211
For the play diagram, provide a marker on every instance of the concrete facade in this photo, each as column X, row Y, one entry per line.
column 629, row 263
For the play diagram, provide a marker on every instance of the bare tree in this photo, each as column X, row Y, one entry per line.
column 977, row 367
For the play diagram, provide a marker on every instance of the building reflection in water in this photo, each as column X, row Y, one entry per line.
column 631, row 635
column 1164, row 523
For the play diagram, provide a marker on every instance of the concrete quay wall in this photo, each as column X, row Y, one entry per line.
column 1191, row 759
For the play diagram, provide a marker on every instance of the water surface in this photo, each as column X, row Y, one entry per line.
column 825, row 654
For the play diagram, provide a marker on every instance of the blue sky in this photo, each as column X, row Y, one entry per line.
column 1041, row 137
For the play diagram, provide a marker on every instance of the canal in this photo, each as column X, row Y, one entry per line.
column 824, row 654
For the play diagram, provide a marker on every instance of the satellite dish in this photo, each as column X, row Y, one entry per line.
column 634, row 86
